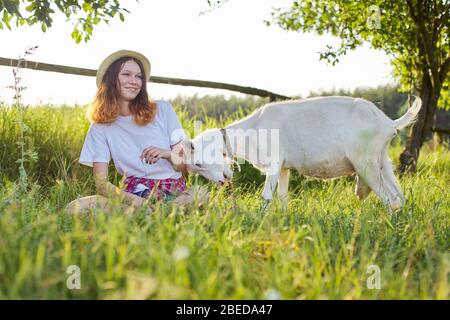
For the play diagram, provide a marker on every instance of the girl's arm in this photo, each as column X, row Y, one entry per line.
column 107, row 189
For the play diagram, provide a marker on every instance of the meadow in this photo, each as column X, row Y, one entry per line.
column 326, row 245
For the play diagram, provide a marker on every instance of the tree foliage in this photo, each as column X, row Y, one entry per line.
column 85, row 14
column 414, row 33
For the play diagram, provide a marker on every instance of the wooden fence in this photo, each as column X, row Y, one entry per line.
column 164, row 80
column 34, row 65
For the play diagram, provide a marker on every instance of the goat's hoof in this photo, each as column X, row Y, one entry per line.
column 264, row 206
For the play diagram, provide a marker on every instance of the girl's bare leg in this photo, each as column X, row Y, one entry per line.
column 84, row 204
column 196, row 193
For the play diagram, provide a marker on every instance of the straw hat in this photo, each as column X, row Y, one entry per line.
column 117, row 55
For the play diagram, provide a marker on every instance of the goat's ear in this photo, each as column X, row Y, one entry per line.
column 187, row 146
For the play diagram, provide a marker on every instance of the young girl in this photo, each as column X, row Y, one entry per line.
column 143, row 138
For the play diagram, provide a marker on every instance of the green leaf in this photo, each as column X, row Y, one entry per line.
column 87, row 7
column 30, row 8
column 43, row 12
column 6, row 19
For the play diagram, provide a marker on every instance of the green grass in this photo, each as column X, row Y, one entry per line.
column 320, row 248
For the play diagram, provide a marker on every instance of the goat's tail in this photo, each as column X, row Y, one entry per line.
column 409, row 117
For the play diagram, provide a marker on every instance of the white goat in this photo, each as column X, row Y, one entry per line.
column 325, row 137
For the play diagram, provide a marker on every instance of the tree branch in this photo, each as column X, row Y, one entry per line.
column 440, row 22
column 426, row 40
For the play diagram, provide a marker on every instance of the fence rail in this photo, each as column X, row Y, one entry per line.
column 34, row 65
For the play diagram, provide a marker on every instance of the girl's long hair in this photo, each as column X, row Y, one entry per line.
column 105, row 107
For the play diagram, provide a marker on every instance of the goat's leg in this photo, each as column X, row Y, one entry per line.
column 269, row 188
column 362, row 189
column 283, row 187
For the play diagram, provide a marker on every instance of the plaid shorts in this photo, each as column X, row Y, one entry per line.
column 165, row 189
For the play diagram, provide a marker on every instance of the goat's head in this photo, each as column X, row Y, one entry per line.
column 205, row 155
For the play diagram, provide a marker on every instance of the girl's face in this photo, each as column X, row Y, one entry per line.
column 130, row 80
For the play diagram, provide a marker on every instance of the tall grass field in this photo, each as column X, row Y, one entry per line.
column 326, row 245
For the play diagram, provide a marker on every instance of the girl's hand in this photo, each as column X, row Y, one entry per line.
column 151, row 155
column 136, row 203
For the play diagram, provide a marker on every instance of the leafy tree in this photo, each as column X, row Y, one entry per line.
column 414, row 33
column 87, row 14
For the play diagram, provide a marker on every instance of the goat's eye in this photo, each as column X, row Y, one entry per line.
column 198, row 165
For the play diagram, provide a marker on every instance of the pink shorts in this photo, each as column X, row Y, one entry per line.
column 166, row 189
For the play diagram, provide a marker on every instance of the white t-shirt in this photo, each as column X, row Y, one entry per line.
column 124, row 141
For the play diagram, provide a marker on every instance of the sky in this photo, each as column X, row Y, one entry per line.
column 186, row 39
